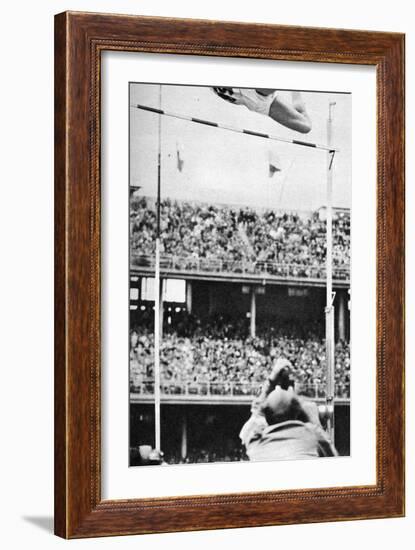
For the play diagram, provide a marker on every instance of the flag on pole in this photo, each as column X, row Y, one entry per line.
column 274, row 163
column 180, row 156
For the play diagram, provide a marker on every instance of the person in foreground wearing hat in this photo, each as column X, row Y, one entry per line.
column 280, row 426
column 145, row 455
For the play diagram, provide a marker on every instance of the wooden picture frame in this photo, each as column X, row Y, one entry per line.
column 79, row 40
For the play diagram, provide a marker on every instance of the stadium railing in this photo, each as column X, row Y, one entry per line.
column 170, row 262
column 235, row 389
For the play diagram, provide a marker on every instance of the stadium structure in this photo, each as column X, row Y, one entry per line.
column 224, row 316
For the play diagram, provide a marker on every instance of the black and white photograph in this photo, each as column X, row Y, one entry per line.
column 239, row 278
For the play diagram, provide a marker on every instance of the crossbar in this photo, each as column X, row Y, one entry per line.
column 234, row 129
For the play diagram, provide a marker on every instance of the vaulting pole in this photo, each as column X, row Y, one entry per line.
column 157, row 297
column 329, row 311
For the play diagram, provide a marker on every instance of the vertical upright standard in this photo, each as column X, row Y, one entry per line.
column 157, row 297
column 329, row 280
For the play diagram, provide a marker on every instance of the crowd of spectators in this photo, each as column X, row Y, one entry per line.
column 217, row 356
column 238, row 239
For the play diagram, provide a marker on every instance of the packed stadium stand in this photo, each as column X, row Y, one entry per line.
column 218, row 357
column 200, row 237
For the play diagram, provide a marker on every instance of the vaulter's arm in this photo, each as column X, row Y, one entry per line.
column 292, row 115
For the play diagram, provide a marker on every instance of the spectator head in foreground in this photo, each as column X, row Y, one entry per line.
column 280, row 374
column 281, row 406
